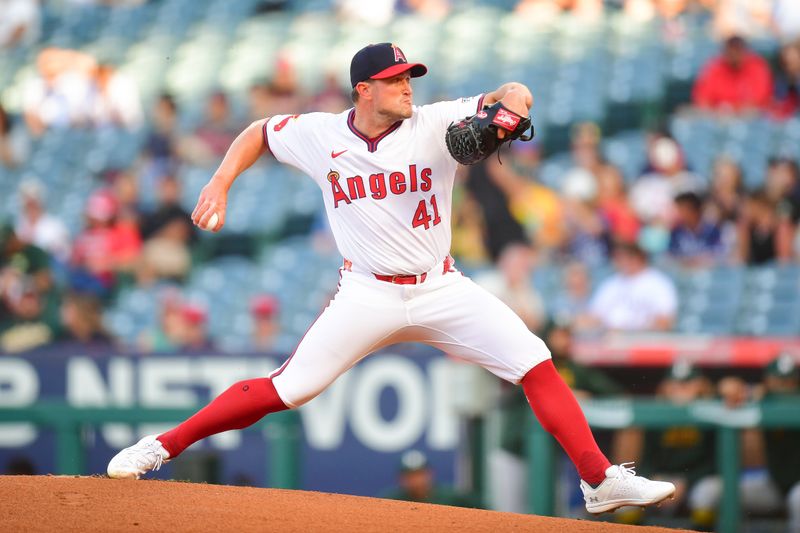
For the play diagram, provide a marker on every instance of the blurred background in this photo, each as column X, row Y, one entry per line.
column 649, row 234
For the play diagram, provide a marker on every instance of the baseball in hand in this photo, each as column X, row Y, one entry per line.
column 212, row 222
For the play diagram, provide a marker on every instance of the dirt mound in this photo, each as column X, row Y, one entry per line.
column 61, row 503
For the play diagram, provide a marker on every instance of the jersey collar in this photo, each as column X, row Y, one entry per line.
column 372, row 144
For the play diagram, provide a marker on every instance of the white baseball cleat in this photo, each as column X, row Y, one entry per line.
column 146, row 455
column 623, row 487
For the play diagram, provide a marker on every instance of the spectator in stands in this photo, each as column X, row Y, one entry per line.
column 27, row 325
column 694, row 242
column 429, row 9
column 786, row 19
column 20, row 23
column 82, row 322
column 213, row 136
column 652, row 194
column 264, row 311
column 417, row 484
column 469, row 229
column 492, row 185
column 675, row 15
column 168, row 233
column 331, row 98
column 14, row 141
column 105, row 249
column 375, row 13
column 763, row 234
column 737, row 81
column 258, row 101
column 195, row 334
column 117, row 101
column 763, row 490
column 572, row 302
column 534, row 206
column 125, row 188
column 38, row 227
column 168, row 335
column 160, row 154
column 746, row 18
column 163, row 137
column 590, row 10
column 285, row 94
column 28, row 297
column 511, row 283
column 61, row 96
column 787, row 82
column 723, row 205
column 683, row 455
column 525, row 158
column 783, row 187
column 637, row 298
column 585, row 381
column 24, row 258
column 585, row 148
column 588, row 237
column 614, row 205
column 542, row 11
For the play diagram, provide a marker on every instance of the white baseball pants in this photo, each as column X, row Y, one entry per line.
column 447, row 311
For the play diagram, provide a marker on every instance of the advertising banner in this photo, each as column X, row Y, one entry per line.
column 353, row 434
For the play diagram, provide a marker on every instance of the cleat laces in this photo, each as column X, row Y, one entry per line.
column 627, row 472
column 624, row 470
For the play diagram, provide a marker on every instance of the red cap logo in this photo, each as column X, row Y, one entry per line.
column 399, row 56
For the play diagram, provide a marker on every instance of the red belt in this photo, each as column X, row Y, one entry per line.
column 402, row 279
column 408, row 279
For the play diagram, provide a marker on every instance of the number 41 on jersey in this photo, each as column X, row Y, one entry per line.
column 421, row 216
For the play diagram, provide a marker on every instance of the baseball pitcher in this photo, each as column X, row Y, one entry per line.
column 386, row 169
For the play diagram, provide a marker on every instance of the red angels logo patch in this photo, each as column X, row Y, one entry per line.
column 280, row 125
column 506, row 120
column 481, row 114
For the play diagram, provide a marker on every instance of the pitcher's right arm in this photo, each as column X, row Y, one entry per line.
column 243, row 152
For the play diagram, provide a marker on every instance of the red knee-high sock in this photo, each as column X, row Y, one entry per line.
column 243, row 404
column 559, row 413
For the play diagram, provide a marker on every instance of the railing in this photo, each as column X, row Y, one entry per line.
column 651, row 414
column 282, row 429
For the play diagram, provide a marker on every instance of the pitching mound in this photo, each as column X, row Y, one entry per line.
column 60, row 503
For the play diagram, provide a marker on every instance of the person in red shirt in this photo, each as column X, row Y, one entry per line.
column 738, row 80
column 106, row 247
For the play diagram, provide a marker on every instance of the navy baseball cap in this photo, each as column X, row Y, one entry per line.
column 412, row 461
column 381, row 61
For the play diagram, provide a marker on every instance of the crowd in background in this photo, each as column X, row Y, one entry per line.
column 56, row 282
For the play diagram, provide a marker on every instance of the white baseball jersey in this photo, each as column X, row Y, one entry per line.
column 388, row 199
